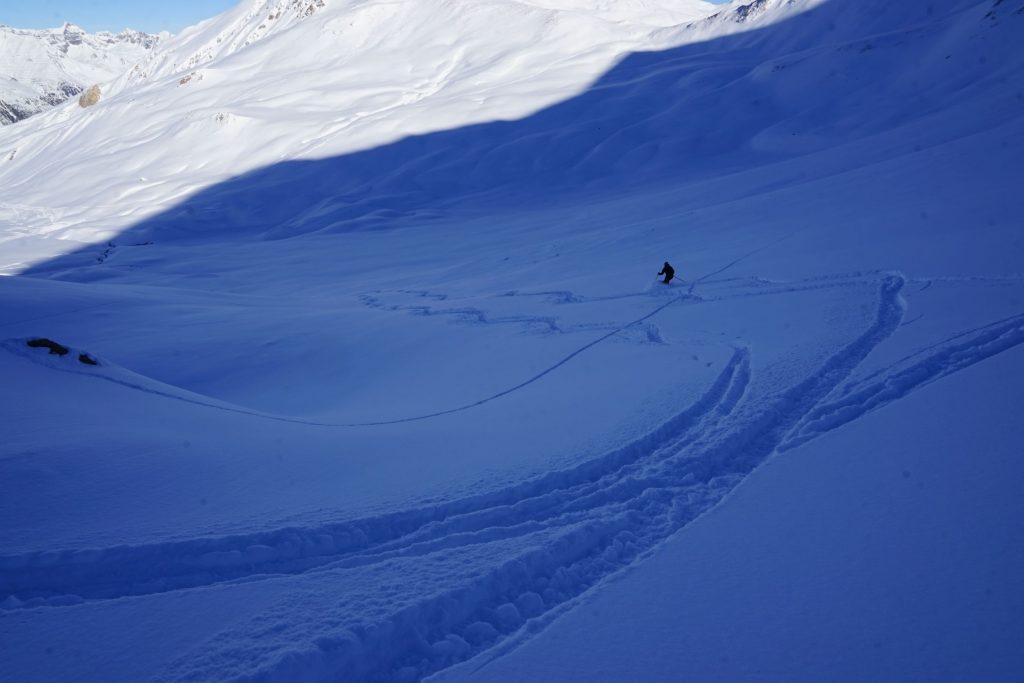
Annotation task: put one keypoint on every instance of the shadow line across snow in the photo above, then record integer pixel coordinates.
(652, 120)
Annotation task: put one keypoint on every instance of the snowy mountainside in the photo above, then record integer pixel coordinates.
(41, 69)
(350, 363)
(396, 70)
(276, 80)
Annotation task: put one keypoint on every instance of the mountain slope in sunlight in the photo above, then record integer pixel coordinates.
(270, 81)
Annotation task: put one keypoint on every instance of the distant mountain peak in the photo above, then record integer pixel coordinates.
(43, 68)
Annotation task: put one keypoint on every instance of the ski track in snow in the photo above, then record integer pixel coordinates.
(899, 379)
(599, 517)
(650, 333)
(614, 132)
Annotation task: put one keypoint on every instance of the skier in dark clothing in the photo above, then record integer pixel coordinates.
(668, 271)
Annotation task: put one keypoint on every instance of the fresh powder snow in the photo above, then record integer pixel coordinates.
(332, 348)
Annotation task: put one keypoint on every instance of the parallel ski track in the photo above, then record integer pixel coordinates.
(601, 516)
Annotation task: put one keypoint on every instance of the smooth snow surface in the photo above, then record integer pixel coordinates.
(386, 389)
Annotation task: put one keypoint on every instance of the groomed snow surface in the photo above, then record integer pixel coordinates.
(385, 388)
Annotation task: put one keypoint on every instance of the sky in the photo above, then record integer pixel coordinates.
(151, 16)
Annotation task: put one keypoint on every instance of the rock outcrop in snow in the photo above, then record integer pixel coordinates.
(90, 97)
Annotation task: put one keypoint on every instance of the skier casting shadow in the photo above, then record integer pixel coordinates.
(668, 271)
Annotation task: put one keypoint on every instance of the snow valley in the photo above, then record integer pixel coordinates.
(333, 350)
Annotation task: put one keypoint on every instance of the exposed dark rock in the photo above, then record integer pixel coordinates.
(10, 112)
(44, 343)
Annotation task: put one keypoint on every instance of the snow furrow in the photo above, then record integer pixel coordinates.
(120, 571)
(573, 529)
(697, 445)
(604, 515)
(647, 509)
(952, 357)
(563, 533)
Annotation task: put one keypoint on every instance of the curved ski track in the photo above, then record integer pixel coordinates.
(650, 335)
(599, 517)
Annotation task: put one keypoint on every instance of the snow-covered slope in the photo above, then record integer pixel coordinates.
(281, 79)
(41, 69)
(367, 376)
